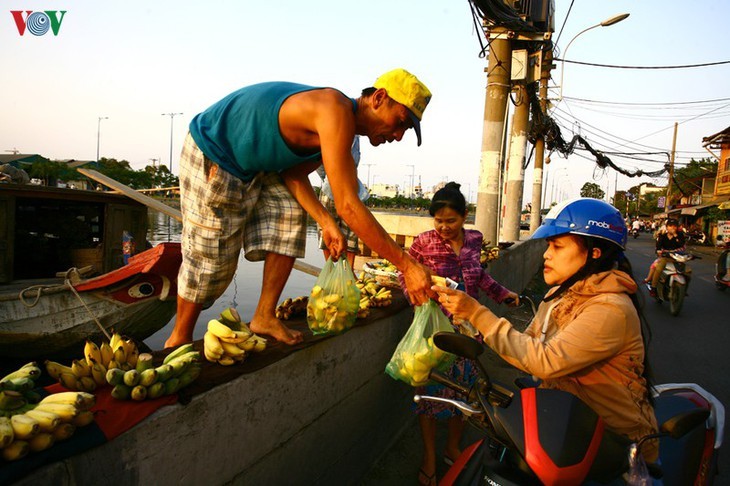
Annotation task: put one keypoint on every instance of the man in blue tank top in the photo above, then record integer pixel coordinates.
(244, 182)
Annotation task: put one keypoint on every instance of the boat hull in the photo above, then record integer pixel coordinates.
(136, 301)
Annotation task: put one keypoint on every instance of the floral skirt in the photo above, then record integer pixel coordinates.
(462, 371)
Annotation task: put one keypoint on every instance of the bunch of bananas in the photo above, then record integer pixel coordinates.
(228, 339)
(488, 253)
(26, 426)
(90, 372)
(21, 383)
(384, 272)
(147, 382)
(332, 313)
(372, 294)
(413, 367)
(292, 308)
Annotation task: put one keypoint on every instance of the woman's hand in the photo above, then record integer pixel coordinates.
(460, 304)
(512, 299)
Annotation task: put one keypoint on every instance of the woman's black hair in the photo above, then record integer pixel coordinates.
(612, 257)
(450, 197)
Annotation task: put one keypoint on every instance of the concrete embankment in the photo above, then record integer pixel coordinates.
(321, 415)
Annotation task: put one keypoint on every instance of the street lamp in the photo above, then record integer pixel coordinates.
(368, 165)
(413, 178)
(172, 117)
(98, 135)
(606, 23)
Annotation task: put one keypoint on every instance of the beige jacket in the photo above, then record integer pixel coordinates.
(592, 348)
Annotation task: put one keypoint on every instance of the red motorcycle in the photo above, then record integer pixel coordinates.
(540, 436)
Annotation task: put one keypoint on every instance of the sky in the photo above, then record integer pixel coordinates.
(134, 61)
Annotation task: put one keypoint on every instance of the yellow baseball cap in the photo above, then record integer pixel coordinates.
(407, 90)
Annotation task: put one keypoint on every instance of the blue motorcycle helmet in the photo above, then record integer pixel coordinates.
(587, 217)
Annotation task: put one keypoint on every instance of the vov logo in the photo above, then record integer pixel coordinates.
(38, 23)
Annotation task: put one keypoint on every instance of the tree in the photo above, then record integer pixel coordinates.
(591, 189)
(688, 180)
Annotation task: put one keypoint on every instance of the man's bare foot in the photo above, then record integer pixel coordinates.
(275, 328)
(174, 341)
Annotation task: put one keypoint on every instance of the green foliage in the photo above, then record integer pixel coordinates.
(715, 214)
(688, 180)
(591, 189)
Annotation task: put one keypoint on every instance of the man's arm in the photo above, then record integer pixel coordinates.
(296, 180)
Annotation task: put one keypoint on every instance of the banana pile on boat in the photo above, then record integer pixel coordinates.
(228, 339)
(372, 294)
(414, 367)
(88, 373)
(147, 382)
(488, 253)
(332, 313)
(29, 423)
(292, 308)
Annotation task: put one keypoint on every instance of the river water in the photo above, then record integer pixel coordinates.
(244, 291)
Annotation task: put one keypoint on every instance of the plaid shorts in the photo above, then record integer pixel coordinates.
(349, 235)
(221, 214)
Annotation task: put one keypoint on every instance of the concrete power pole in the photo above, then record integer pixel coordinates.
(495, 104)
(671, 166)
(516, 164)
(535, 215)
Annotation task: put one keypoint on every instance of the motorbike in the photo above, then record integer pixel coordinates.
(674, 280)
(721, 268)
(635, 232)
(540, 436)
(696, 236)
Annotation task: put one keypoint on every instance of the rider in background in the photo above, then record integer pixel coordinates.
(671, 240)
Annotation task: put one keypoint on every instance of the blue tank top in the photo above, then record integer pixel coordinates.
(241, 132)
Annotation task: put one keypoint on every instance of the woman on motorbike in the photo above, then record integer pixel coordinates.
(671, 240)
(589, 336)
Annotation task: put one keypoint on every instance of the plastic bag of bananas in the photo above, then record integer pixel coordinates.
(335, 299)
(416, 355)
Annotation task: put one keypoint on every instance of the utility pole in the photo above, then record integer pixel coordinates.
(537, 174)
(495, 104)
(172, 117)
(516, 164)
(671, 167)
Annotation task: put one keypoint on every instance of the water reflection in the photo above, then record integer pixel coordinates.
(244, 291)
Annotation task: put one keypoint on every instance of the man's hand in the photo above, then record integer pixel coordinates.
(418, 281)
(334, 240)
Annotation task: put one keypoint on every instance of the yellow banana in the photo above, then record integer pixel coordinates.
(107, 353)
(17, 450)
(92, 351)
(98, 373)
(6, 432)
(65, 411)
(120, 356)
(210, 356)
(55, 369)
(114, 365)
(72, 398)
(24, 427)
(64, 431)
(41, 442)
(87, 384)
(115, 341)
(212, 344)
(80, 368)
(139, 393)
(220, 330)
(83, 418)
(249, 344)
(47, 421)
(259, 343)
(69, 381)
(231, 350)
(131, 352)
(226, 361)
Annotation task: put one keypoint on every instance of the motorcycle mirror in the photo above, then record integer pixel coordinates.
(682, 423)
(458, 344)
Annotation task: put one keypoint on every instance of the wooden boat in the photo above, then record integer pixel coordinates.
(46, 231)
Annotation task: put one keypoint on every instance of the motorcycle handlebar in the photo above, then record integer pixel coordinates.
(442, 379)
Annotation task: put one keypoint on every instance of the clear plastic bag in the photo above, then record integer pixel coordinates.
(416, 355)
(638, 474)
(334, 300)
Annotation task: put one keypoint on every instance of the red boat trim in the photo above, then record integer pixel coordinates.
(164, 260)
(539, 461)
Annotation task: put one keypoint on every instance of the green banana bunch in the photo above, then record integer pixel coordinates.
(147, 382)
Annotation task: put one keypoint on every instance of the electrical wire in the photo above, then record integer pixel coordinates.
(616, 66)
(643, 104)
